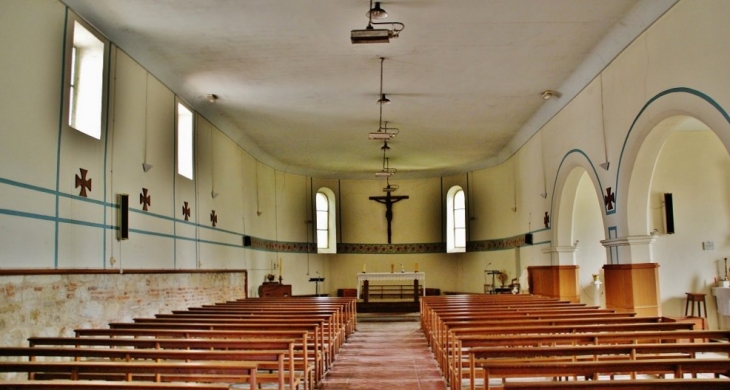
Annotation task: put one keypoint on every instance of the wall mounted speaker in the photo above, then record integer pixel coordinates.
(123, 216)
(528, 239)
(246, 240)
(669, 213)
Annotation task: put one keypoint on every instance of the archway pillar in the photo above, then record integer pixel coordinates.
(559, 280)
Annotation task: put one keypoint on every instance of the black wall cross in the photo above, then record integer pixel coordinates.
(388, 201)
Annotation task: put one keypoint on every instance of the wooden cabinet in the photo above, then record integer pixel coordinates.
(554, 281)
(274, 289)
(633, 288)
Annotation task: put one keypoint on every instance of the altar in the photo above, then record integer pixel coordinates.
(722, 295)
(364, 279)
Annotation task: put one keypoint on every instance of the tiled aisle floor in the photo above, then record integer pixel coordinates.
(385, 355)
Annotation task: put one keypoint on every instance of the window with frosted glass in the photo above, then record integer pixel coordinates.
(85, 86)
(459, 220)
(184, 141)
(322, 206)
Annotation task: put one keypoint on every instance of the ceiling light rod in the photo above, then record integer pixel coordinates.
(383, 99)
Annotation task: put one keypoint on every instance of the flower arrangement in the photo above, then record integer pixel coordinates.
(503, 277)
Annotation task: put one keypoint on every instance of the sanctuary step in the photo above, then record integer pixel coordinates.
(388, 307)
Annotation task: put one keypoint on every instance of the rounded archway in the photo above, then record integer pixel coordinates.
(683, 157)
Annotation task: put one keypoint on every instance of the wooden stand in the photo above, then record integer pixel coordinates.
(554, 281)
(274, 289)
(632, 288)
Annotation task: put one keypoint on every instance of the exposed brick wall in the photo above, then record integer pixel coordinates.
(54, 305)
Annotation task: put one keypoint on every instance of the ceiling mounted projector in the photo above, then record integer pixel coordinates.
(371, 35)
(380, 135)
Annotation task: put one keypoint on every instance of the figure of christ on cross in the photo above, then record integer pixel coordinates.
(388, 201)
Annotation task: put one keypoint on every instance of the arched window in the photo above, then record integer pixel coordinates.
(326, 222)
(455, 220)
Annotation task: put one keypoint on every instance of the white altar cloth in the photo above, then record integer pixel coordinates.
(722, 295)
(375, 276)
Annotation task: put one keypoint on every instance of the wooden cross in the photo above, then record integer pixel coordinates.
(213, 218)
(388, 201)
(83, 182)
(145, 199)
(609, 199)
(186, 211)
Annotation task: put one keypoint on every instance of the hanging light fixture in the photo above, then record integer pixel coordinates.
(371, 34)
(382, 132)
(376, 12)
(385, 145)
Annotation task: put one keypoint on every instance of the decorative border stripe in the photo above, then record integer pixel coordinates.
(496, 244)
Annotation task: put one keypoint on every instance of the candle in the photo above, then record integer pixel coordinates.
(392, 268)
(280, 266)
(363, 268)
(416, 267)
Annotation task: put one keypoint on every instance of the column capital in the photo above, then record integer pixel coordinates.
(629, 241)
(630, 249)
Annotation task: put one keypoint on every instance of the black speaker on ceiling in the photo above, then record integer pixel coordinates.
(669, 212)
(123, 216)
(246, 240)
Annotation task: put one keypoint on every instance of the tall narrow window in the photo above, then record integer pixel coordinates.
(85, 81)
(322, 221)
(459, 220)
(184, 141)
(456, 220)
(326, 221)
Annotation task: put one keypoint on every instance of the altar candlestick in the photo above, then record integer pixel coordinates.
(363, 268)
(280, 267)
(416, 267)
(392, 268)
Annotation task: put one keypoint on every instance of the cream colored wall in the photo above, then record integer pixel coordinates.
(685, 48)
(695, 167)
(590, 255)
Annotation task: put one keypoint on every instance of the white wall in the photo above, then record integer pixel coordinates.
(46, 224)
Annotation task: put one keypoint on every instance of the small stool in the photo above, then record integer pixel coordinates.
(699, 298)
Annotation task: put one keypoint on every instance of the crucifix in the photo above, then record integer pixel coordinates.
(388, 201)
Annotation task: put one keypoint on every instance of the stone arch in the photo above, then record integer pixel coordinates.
(573, 166)
(642, 145)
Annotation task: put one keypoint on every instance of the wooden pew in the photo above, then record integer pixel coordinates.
(676, 367)
(321, 353)
(279, 360)
(644, 384)
(61, 384)
(296, 341)
(452, 354)
(481, 355)
(333, 333)
(207, 371)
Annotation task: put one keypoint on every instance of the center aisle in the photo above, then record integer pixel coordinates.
(385, 355)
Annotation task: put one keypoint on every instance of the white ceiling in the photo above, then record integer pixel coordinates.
(465, 77)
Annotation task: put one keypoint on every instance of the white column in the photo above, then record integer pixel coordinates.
(629, 250)
(561, 255)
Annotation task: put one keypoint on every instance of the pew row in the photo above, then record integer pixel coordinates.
(207, 371)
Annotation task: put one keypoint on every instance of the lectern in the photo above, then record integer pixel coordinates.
(316, 284)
